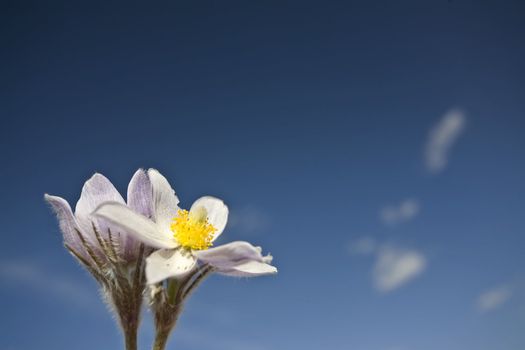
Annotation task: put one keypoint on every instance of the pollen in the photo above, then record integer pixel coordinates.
(192, 231)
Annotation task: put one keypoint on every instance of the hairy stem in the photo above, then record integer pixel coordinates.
(161, 339)
(128, 300)
(130, 336)
(168, 304)
(130, 321)
(165, 320)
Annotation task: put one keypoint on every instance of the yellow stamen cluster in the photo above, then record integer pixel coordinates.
(192, 231)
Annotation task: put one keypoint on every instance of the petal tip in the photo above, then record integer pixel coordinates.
(153, 171)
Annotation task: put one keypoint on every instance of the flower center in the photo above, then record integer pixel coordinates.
(192, 230)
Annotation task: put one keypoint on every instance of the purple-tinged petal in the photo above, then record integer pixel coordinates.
(67, 223)
(249, 269)
(140, 200)
(239, 259)
(135, 224)
(97, 190)
(140, 194)
(230, 254)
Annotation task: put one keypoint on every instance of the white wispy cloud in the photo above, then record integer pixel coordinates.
(493, 298)
(404, 211)
(362, 246)
(248, 220)
(442, 138)
(395, 267)
(28, 274)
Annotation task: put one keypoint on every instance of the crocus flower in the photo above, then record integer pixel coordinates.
(184, 237)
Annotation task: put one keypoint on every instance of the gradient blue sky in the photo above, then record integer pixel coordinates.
(313, 120)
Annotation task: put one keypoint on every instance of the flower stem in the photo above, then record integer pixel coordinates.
(130, 336)
(161, 339)
(165, 320)
(168, 305)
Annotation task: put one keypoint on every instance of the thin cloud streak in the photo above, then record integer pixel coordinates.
(441, 139)
(493, 298)
(395, 267)
(30, 274)
(404, 211)
(362, 246)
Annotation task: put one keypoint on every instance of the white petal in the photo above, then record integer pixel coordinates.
(250, 269)
(228, 255)
(165, 202)
(166, 263)
(135, 224)
(97, 190)
(267, 259)
(216, 211)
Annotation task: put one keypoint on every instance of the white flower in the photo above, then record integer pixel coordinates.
(183, 237)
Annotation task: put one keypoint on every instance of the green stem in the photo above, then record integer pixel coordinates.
(173, 288)
(161, 339)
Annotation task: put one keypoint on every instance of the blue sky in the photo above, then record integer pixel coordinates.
(375, 149)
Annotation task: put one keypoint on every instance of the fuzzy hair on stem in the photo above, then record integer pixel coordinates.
(122, 283)
(167, 301)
